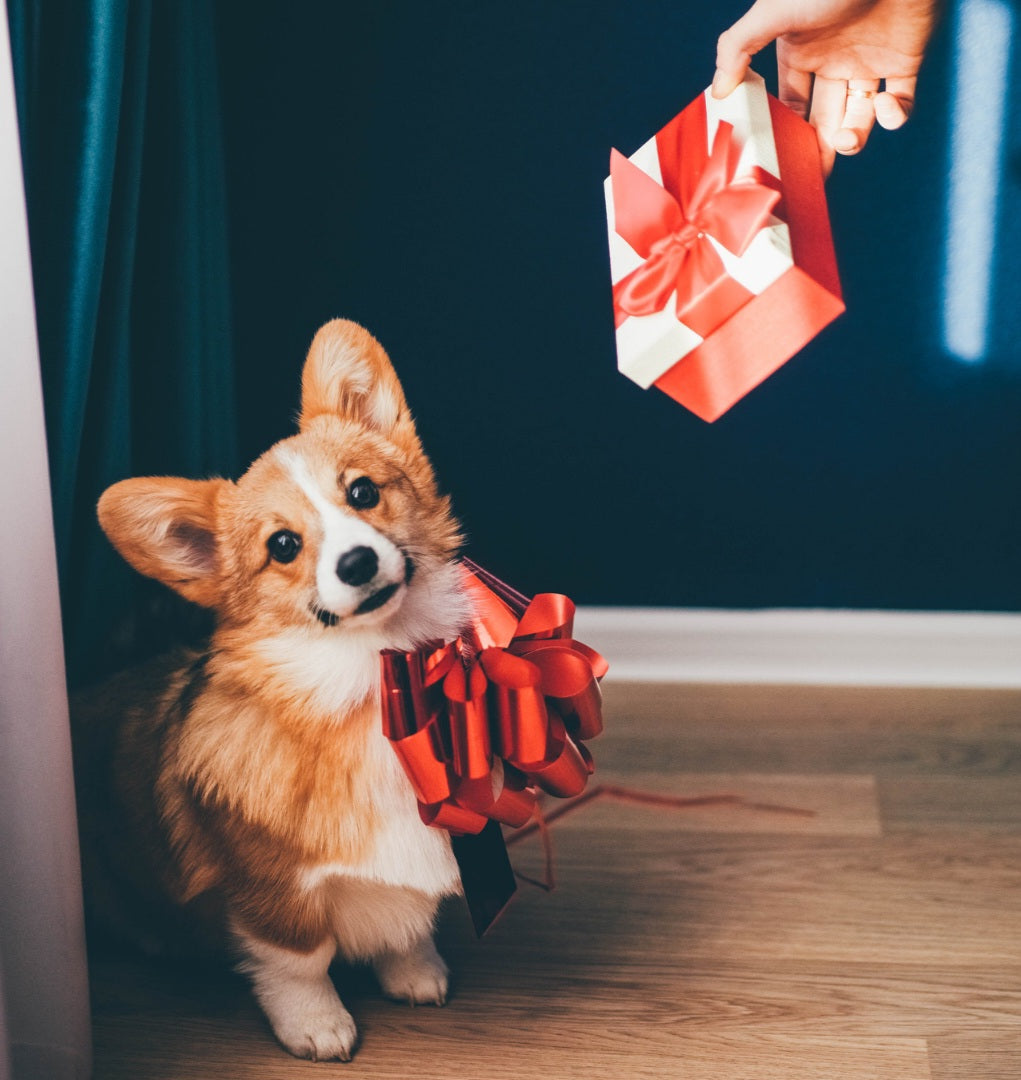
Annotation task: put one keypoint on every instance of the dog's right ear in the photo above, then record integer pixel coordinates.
(348, 374)
(165, 528)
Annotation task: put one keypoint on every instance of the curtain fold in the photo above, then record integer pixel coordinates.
(119, 115)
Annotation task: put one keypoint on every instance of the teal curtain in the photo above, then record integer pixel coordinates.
(120, 126)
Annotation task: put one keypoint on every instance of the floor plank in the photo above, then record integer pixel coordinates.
(394, 1047)
(797, 899)
(964, 1057)
(804, 729)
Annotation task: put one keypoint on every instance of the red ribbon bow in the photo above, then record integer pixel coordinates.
(477, 737)
(670, 226)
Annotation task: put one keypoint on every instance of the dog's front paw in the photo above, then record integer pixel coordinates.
(418, 977)
(323, 1033)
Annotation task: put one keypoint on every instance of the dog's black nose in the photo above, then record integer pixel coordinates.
(357, 566)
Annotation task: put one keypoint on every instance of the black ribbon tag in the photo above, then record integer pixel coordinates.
(486, 874)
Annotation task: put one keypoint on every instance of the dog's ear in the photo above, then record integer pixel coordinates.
(165, 528)
(348, 374)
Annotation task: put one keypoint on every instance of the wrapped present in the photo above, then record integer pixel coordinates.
(720, 249)
(483, 724)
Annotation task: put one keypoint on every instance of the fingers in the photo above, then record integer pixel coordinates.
(844, 114)
(894, 105)
(735, 47)
(729, 76)
(827, 116)
(795, 86)
(859, 116)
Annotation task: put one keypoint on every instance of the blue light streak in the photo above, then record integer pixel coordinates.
(984, 30)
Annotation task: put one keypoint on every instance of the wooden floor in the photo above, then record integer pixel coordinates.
(857, 916)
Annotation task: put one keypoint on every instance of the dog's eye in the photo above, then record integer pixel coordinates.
(362, 494)
(283, 546)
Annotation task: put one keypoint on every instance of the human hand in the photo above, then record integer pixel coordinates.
(831, 57)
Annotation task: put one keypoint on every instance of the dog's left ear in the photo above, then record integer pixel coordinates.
(166, 527)
(348, 374)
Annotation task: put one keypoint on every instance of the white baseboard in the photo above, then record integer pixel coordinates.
(840, 648)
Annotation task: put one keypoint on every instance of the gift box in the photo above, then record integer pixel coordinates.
(484, 724)
(721, 255)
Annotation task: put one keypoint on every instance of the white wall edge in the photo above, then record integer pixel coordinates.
(42, 931)
(808, 647)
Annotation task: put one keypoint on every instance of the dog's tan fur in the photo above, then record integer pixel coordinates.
(252, 781)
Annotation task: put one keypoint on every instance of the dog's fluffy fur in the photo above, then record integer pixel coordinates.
(252, 781)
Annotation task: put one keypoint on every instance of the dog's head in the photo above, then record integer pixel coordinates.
(339, 528)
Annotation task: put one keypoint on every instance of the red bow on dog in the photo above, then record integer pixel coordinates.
(481, 723)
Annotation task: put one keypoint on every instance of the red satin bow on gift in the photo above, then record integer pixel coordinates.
(670, 229)
(478, 737)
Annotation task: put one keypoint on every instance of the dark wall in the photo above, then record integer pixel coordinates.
(435, 172)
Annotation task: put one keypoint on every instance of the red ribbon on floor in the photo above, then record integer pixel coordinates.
(669, 227)
(482, 724)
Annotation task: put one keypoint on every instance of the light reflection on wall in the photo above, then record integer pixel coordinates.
(983, 33)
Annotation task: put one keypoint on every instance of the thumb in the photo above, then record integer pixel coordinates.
(759, 25)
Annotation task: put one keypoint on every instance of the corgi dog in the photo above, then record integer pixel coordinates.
(252, 780)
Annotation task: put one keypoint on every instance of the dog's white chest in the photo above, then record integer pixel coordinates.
(404, 851)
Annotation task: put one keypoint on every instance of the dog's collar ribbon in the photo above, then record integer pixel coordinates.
(483, 724)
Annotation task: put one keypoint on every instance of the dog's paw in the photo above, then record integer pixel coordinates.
(418, 977)
(325, 1033)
